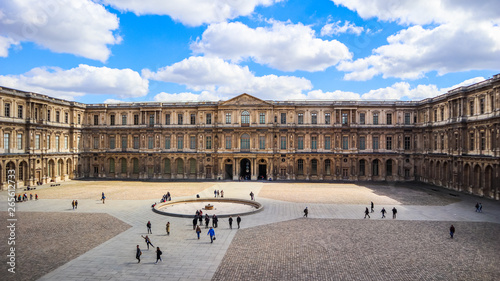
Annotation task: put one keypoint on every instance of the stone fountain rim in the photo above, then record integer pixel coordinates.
(255, 204)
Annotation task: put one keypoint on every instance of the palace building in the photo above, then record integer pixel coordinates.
(452, 140)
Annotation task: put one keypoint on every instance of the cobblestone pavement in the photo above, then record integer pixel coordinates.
(326, 249)
(424, 215)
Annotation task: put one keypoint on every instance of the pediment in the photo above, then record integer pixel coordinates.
(245, 99)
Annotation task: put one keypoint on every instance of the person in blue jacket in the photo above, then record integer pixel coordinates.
(211, 232)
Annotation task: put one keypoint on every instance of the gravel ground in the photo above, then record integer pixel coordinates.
(328, 249)
(45, 241)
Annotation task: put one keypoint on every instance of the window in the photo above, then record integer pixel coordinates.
(314, 142)
(435, 115)
(180, 142)
(228, 142)
(314, 118)
(66, 117)
(167, 142)
(407, 143)
(442, 114)
(136, 143)
(262, 118)
(136, 119)
(471, 108)
(151, 119)
(483, 141)
(327, 143)
(19, 111)
(375, 168)
(283, 143)
(111, 165)
(314, 167)
(192, 142)
(388, 168)
(135, 163)
(65, 142)
(48, 115)
(7, 110)
(180, 166)
(345, 119)
(209, 143)
(328, 166)
(209, 118)
(407, 118)
(192, 119)
(228, 118)
(481, 106)
(375, 118)
(389, 119)
(192, 166)
(442, 142)
(283, 118)
(375, 144)
(37, 141)
(300, 143)
(57, 116)
(245, 141)
(345, 142)
(112, 142)
(112, 120)
(79, 119)
(362, 143)
(471, 141)
(124, 142)
(77, 142)
(262, 142)
(327, 118)
(96, 142)
(435, 142)
(362, 165)
(36, 113)
(124, 165)
(300, 119)
(245, 118)
(151, 142)
(96, 119)
(124, 119)
(275, 119)
(388, 143)
(300, 167)
(58, 147)
(19, 141)
(166, 166)
(167, 119)
(362, 118)
(179, 119)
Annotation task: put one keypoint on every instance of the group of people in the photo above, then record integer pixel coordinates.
(166, 197)
(479, 207)
(218, 193)
(383, 211)
(74, 204)
(24, 197)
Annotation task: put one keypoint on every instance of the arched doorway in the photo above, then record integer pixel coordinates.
(466, 175)
(228, 170)
(476, 188)
(444, 174)
(245, 169)
(262, 170)
(488, 181)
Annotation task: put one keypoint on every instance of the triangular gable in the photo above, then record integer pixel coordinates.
(245, 99)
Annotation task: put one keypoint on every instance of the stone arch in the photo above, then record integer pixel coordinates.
(300, 167)
(51, 170)
(179, 166)
(488, 181)
(22, 174)
(60, 169)
(192, 166)
(477, 183)
(389, 167)
(328, 165)
(245, 118)
(167, 166)
(111, 165)
(314, 167)
(123, 165)
(135, 166)
(362, 167)
(376, 168)
(69, 168)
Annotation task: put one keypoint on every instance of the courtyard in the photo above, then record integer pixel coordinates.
(98, 241)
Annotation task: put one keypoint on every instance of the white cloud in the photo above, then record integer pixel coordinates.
(78, 81)
(186, 96)
(225, 79)
(5, 43)
(335, 95)
(191, 12)
(335, 28)
(283, 45)
(464, 83)
(79, 27)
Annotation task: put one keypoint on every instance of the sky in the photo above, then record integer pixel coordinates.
(110, 51)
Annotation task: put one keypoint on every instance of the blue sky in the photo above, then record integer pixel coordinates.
(130, 50)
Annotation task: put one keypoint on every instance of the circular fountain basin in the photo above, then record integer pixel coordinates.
(221, 207)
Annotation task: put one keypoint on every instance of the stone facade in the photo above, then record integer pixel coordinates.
(452, 140)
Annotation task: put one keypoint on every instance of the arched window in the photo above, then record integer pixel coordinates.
(111, 165)
(388, 167)
(245, 118)
(328, 166)
(124, 165)
(375, 171)
(245, 142)
(167, 166)
(135, 162)
(180, 166)
(300, 167)
(314, 167)
(362, 165)
(192, 166)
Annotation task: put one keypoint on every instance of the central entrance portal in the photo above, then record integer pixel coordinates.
(229, 172)
(245, 169)
(262, 172)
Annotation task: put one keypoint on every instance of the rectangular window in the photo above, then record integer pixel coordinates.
(483, 141)
(345, 142)
(375, 143)
(362, 143)
(66, 117)
(151, 142)
(327, 118)
(124, 165)
(262, 142)
(192, 142)
(112, 142)
(481, 106)
(124, 119)
(442, 114)
(362, 118)
(435, 142)
(19, 141)
(36, 113)
(283, 118)
(151, 119)
(48, 141)
(209, 143)
(48, 115)
(362, 167)
(6, 142)
(314, 118)
(314, 142)
(112, 165)
(7, 110)
(228, 118)
(124, 142)
(262, 118)
(300, 119)
(345, 119)
(209, 118)
(388, 143)
(79, 119)
(112, 120)
(389, 119)
(65, 142)
(471, 108)
(327, 143)
(375, 118)
(300, 143)
(180, 142)
(300, 167)
(442, 142)
(37, 141)
(57, 116)
(96, 119)
(19, 111)
(167, 142)
(435, 115)
(167, 119)
(136, 143)
(58, 147)
(228, 142)
(407, 143)
(193, 119)
(471, 141)
(179, 119)
(283, 143)
(407, 118)
(136, 119)
(96, 142)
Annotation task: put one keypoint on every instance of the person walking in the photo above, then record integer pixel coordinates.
(477, 207)
(215, 193)
(198, 231)
(480, 207)
(394, 212)
(168, 228)
(251, 195)
(103, 198)
(200, 218)
(383, 212)
(148, 225)
(372, 207)
(230, 222)
(367, 213)
(306, 212)
(195, 221)
(207, 220)
(158, 255)
(148, 241)
(222, 193)
(73, 204)
(215, 221)
(138, 254)
(76, 204)
(452, 231)
(211, 232)
(238, 221)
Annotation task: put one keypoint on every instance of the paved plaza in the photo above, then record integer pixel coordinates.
(98, 241)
